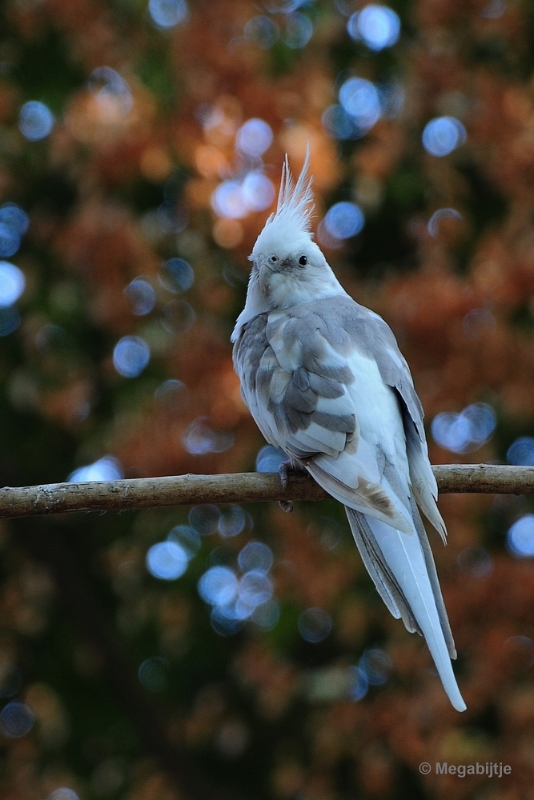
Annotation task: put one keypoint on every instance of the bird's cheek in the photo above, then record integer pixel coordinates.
(264, 280)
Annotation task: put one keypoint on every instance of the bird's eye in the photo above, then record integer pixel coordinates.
(303, 261)
(273, 259)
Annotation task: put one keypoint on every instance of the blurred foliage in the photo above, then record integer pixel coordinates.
(116, 683)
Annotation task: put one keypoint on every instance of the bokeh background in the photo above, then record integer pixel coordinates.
(235, 651)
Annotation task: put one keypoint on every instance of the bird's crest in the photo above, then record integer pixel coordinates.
(296, 201)
(295, 207)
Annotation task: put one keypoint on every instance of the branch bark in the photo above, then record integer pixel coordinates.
(60, 498)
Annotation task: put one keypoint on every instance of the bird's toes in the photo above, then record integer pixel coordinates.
(286, 505)
(283, 471)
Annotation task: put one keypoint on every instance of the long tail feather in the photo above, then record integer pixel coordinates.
(404, 574)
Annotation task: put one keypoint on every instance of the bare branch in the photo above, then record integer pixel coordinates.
(60, 498)
(484, 479)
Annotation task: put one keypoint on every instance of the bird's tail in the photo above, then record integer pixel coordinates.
(402, 568)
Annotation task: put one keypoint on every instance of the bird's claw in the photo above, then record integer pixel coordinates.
(286, 505)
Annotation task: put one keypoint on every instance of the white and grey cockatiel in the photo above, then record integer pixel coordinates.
(325, 381)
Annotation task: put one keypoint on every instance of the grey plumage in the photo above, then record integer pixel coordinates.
(325, 381)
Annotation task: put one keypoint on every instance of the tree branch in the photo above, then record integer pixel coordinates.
(60, 498)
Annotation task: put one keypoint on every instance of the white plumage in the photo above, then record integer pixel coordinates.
(324, 379)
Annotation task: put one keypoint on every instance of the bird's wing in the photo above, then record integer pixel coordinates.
(377, 340)
(366, 339)
(325, 380)
(316, 395)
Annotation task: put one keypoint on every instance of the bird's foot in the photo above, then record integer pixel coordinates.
(283, 470)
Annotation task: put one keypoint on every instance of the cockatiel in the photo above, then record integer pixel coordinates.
(325, 381)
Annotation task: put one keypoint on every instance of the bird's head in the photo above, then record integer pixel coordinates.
(287, 265)
(290, 267)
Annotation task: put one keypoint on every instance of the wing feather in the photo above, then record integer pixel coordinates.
(299, 368)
